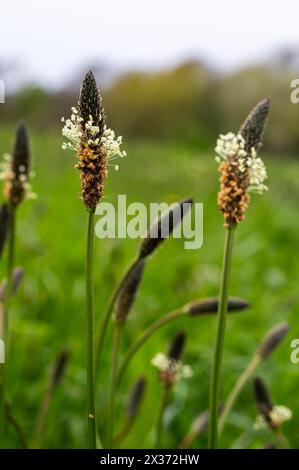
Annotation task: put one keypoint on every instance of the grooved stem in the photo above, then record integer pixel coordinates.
(91, 416)
(5, 313)
(112, 383)
(218, 353)
(236, 390)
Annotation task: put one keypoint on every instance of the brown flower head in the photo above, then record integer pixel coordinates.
(242, 171)
(128, 291)
(94, 144)
(4, 222)
(135, 398)
(16, 168)
(59, 367)
(163, 227)
(210, 306)
(270, 415)
(171, 369)
(272, 339)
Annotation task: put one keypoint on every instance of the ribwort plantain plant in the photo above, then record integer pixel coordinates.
(56, 375)
(192, 309)
(95, 146)
(151, 242)
(171, 371)
(271, 416)
(242, 172)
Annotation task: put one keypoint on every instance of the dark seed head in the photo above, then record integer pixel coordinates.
(15, 182)
(59, 367)
(262, 398)
(164, 226)
(90, 102)
(252, 129)
(135, 398)
(272, 339)
(21, 152)
(128, 292)
(210, 305)
(4, 221)
(176, 347)
(17, 276)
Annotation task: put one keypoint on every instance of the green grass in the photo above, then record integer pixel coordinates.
(48, 314)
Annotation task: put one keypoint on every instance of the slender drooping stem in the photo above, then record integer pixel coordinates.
(123, 432)
(17, 427)
(112, 383)
(107, 316)
(41, 417)
(10, 266)
(5, 326)
(159, 429)
(235, 392)
(282, 439)
(91, 416)
(221, 321)
(144, 336)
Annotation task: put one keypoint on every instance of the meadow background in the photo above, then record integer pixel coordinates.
(170, 119)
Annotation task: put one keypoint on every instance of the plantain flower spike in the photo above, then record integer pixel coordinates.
(15, 169)
(170, 367)
(271, 416)
(242, 170)
(95, 144)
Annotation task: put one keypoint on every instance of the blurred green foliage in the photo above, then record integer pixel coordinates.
(48, 315)
(191, 103)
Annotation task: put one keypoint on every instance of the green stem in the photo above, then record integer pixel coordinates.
(159, 429)
(112, 384)
(5, 326)
(144, 336)
(107, 316)
(235, 392)
(222, 310)
(124, 431)
(41, 417)
(91, 416)
(17, 427)
(284, 443)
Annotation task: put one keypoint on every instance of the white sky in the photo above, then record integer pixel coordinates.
(52, 38)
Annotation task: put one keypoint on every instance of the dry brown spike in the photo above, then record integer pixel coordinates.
(127, 294)
(164, 226)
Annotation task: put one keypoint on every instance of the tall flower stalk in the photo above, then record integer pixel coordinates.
(15, 171)
(4, 216)
(95, 146)
(242, 172)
